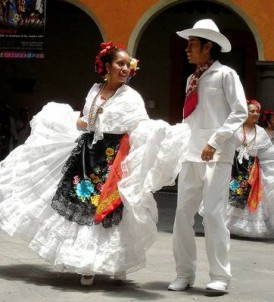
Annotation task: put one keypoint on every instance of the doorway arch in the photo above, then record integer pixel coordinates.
(164, 68)
(90, 14)
(156, 9)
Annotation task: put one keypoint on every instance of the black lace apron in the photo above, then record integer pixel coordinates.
(85, 173)
(239, 187)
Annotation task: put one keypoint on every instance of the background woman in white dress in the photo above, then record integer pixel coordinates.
(246, 214)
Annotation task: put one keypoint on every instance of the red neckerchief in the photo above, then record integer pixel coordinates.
(191, 99)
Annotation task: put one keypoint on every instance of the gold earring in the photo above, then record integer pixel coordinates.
(107, 77)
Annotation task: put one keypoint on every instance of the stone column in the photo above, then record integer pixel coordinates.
(266, 84)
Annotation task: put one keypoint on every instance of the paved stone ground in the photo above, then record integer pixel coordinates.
(26, 277)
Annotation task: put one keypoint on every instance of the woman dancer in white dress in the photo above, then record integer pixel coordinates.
(250, 192)
(82, 197)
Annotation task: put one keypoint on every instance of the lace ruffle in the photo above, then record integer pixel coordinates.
(30, 175)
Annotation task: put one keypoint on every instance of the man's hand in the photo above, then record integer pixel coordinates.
(208, 152)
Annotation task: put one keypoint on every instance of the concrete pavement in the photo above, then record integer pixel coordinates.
(26, 277)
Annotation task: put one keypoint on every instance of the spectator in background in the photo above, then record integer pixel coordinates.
(267, 122)
(5, 134)
(13, 132)
(22, 125)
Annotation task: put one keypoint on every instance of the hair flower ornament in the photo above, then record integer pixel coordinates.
(133, 67)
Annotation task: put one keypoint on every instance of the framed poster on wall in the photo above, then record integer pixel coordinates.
(22, 29)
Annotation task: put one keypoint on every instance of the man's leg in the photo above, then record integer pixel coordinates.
(217, 236)
(184, 246)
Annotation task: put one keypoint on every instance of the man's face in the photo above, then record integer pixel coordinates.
(196, 52)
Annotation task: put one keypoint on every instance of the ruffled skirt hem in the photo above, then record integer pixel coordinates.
(29, 177)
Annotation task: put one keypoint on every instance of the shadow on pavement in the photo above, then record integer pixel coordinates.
(68, 282)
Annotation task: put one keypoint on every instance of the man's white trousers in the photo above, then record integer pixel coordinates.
(207, 182)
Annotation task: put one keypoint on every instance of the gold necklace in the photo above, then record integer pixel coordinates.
(95, 109)
(246, 144)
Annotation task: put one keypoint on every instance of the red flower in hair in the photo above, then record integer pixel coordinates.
(254, 102)
(104, 45)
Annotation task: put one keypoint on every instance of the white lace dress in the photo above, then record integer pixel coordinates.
(243, 222)
(30, 174)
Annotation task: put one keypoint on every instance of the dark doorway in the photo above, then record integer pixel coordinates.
(242, 58)
(66, 73)
(164, 68)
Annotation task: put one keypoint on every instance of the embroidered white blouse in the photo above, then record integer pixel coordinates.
(121, 113)
(257, 141)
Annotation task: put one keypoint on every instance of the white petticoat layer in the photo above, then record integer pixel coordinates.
(267, 165)
(244, 223)
(28, 181)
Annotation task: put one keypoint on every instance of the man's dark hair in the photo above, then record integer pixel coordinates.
(215, 51)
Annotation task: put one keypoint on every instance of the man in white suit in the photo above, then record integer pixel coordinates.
(215, 107)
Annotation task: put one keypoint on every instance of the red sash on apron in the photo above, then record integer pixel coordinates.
(255, 194)
(110, 198)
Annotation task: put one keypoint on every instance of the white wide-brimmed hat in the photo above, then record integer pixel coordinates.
(207, 29)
